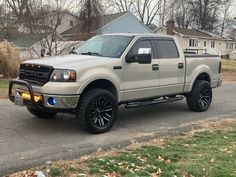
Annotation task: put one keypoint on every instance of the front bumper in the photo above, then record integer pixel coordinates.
(61, 102)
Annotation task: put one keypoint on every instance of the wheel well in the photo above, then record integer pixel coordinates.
(103, 84)
(205, 77)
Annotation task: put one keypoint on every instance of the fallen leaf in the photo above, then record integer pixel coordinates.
(160, 158)
(113, 174)
(157, 174)
(143, 159)
(212, 160)
(168, 161)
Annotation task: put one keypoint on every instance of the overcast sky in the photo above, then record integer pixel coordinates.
(234, 8)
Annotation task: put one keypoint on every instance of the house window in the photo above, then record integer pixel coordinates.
(212, 44)
(193, 42)
(71, 22)
(205, 43)
(231, 46)
(59, 21)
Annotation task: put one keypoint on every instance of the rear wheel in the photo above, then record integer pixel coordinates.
(199, 99)
(41, 114)
(97, 111)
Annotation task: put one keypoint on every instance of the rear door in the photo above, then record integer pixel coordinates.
(141, 80)
(171, 66)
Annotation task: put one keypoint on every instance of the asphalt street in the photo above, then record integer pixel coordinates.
(26, 141)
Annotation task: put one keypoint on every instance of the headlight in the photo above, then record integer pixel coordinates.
(61, 75)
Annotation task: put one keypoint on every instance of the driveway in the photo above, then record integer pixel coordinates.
(26, 141)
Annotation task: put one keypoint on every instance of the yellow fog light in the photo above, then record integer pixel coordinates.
(27, 96)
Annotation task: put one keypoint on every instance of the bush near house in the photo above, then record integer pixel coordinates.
(9, 60)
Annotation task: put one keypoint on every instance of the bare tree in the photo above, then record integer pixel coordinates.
(51, 15)
(204, 13)
(181, 15)
(90, 9)
(231, 32)
(7, 22)
(121, 5)
(146, 10)
(226, 20)
(25, 11)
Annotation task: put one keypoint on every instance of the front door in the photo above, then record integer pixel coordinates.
(141, 80)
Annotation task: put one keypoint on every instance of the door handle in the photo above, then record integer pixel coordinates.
(155, 67)
(180, 65)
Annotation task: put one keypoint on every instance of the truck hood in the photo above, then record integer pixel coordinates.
(70, 61)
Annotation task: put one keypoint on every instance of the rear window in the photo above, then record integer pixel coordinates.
(167, 49)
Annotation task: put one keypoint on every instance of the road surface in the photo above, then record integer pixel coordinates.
(26, 141)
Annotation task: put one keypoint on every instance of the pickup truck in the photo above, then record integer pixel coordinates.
(112, 70)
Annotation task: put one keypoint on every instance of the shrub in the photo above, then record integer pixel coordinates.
(9, 60)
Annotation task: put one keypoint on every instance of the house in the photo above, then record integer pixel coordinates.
(71, 31)
(124, 22)
(30, 45)
(65, 20)
(24, 43)
(199, 41)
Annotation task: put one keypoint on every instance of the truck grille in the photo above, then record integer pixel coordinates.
(35, 74)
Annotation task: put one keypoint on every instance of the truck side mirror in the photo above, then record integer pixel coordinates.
(139, 58)
(72, 51)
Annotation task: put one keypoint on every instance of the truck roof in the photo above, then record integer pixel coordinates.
(140, 35)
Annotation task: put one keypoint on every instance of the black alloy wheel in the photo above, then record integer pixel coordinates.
(200, 98)
(102, 112)
(97, 110)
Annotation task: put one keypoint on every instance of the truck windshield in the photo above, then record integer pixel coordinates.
(105, 46)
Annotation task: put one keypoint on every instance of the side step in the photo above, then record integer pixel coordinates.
(152, 102)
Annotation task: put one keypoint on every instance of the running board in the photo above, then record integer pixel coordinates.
(152, 102)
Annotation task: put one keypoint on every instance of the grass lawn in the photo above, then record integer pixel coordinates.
(229, 70)
(210, 153)
(3, 88)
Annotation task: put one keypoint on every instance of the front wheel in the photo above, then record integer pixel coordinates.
(199, 99)
(41, 114)
(97, 111)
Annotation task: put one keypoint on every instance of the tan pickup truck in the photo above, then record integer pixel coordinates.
(111, 70)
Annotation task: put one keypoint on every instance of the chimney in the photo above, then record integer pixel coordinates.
(170, 27)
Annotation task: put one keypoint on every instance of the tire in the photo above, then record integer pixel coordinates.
(97, 111)
(200, 98)
(41, 114)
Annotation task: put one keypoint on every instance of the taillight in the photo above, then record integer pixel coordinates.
(220, 67)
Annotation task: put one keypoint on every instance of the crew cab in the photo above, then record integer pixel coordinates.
(111, 70)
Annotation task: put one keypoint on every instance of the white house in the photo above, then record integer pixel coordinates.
(65, 20)
(199, 41)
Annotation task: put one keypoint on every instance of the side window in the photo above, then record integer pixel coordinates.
(141, 47)
(167, 49)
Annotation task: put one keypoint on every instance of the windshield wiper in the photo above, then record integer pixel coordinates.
(91, 53)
